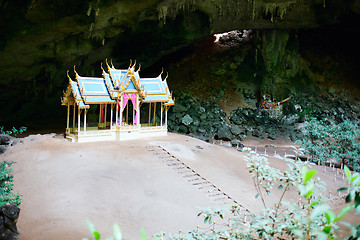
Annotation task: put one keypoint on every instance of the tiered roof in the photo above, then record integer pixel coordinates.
(113, 84)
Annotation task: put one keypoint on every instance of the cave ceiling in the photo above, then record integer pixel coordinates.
(41, 39)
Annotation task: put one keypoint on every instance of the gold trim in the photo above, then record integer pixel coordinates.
(67, 73)
(162, 70)
(134, 65)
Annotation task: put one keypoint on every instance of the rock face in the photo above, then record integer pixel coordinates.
(4, 141)
(8, 217)
(211, 122)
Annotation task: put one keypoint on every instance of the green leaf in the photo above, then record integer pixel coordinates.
(96, 235)
(347, 173)
(309, 175)
(357, 199)
(257, 195)
(354, 178)
(330, 216)
(350, 197)
(143, 234)
(357, 210)
(343, 189)
(327, 229)
(343, 211)
(312, 204)
(319, 210)
(117, 232)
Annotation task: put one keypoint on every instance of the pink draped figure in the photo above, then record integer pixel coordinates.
(126, 97)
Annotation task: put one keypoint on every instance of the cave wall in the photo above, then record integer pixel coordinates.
(41, 39)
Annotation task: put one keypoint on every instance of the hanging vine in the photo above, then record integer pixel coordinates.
(173, 7)
(278, 9)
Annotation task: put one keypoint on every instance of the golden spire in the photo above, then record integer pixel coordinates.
(67, 73)
(162, 70)
(107, 64)
(134, 65)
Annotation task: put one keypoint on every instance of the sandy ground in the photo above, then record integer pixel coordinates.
(136, 184)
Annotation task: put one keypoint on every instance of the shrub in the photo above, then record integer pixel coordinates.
(6, 185)
(13, 131)
(324, 141)
(309, 218)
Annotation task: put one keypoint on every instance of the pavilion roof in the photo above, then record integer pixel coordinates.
(93, 90)
(114, 82)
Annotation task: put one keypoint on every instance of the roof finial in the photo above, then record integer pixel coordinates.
(112, 65)
(134, 65)
(162, 70)
(75, 70)
(67, 73)
(107, 64)
(139, 68)
(102, 67)
(167, 74)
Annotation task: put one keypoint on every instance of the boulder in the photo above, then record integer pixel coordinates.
(187, 120)
(236, 130)
(9, 215)
(224, 133)
(2, 149)
(4, 139)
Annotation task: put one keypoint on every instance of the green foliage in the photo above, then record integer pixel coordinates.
(13, 131)
(117, 233)
(326, 140)
(310, 218)
(353, 197)
(210, 214)
(6, 185)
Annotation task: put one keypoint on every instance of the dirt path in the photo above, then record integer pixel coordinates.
(156, 184)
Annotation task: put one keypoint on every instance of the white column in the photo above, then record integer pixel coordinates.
(85, 112)
(149, 113)
(74, 117)
(111, 115)
(105, 114)
(161, 113)
(166, 110)
(79, 113)
(68, 115)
